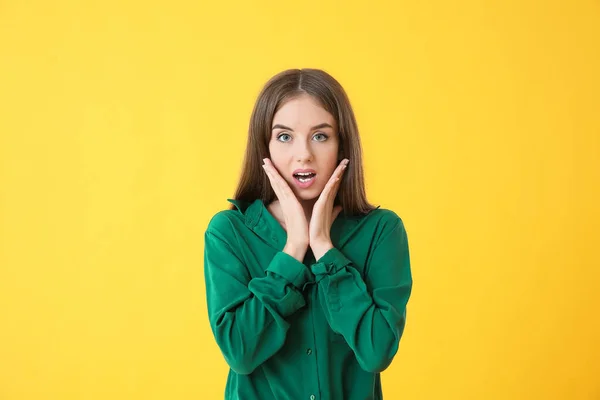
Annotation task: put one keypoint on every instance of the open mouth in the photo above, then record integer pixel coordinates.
(304, 177)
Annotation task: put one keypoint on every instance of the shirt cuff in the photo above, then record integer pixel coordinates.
(331, 262)
(290, 269)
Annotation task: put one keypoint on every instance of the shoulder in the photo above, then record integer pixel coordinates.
(384, 218)
(225, 222)
(383, 222)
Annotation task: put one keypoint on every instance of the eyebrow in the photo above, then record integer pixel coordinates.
(323, 125)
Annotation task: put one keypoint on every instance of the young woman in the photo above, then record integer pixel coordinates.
(307, 283)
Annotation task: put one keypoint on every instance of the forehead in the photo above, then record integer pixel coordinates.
(302, 111)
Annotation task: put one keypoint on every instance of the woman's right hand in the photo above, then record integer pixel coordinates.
(296, 224)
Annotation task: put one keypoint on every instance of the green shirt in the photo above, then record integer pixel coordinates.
(321, 329)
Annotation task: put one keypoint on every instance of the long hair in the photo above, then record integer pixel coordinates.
(281, 88)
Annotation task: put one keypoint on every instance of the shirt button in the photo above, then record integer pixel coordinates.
(309, 352)
(312, 397)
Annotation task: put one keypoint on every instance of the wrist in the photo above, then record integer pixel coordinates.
(298, 251)
(320, 248)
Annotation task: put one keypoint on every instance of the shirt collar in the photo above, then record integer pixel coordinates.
(260, 221)
(263, 223)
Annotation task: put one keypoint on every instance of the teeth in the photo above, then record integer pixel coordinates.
(305, 179)
(304, 173)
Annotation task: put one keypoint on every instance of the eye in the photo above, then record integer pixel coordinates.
(282, 135)
(325, 137)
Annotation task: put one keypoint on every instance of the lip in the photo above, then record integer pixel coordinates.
(304, 170)
(304, 185)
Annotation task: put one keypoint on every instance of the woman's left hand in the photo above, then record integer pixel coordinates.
(324, 213)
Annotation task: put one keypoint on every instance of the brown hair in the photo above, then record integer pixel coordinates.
(281, 88)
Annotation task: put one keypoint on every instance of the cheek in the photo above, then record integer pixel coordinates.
(280, 166)
(328, 158)
(276, 156)
(331, 166)
(325, 175)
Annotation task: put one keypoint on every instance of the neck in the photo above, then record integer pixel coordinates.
(275, 208)
(308, 205)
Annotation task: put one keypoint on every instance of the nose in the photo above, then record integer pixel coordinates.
(303, 152)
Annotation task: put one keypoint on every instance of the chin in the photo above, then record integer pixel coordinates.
(311, 193)
(306, 194)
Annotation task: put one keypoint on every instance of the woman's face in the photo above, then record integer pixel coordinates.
(304, 137)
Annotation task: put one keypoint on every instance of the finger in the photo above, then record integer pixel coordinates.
(336, 211)
(333, 191)
(275, 184)
(281, 183)
(336, 178)
(280, 186)
(329, 187)
(272, 180)
(339, 171)
(273, 173)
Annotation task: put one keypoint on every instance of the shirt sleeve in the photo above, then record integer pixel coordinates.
(369, 313)
(247, 315)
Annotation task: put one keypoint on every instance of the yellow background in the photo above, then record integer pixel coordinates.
(123, 126)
